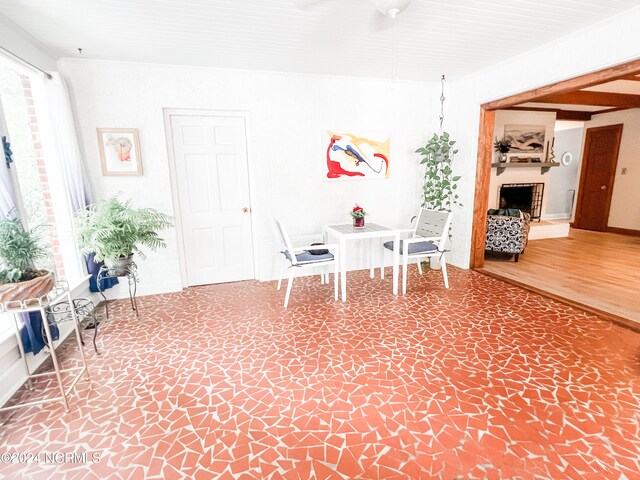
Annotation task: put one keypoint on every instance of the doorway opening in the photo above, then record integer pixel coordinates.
(597, 103)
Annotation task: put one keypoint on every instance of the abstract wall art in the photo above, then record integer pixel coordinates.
(525, 138)
(350, 156)
(120, 151)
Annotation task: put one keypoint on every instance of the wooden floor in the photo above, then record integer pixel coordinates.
(600, 271)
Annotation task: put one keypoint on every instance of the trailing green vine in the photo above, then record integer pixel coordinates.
(439, 185)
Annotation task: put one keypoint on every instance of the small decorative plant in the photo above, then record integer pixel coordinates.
(502, 146)
(19, 249)
(439, 185)
(114, 230)
(358, 212)
(358, 215)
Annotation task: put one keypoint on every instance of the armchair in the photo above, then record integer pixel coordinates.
(508, 234)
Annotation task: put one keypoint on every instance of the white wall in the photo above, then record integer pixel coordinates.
(608, 43)
(287, 115)
(18, 42)
(562, 186)
(520, 175)
(625, 207)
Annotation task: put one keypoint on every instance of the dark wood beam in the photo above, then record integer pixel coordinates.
(633, 77)
(605, 99)
(583, 81)
(607, 110)
(576, 115)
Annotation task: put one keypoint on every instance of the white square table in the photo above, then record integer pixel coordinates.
(343, 233)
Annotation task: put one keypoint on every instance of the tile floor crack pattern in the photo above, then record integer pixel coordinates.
(484, 380)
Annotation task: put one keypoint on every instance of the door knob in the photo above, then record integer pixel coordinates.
(603, 187)
(245, 210)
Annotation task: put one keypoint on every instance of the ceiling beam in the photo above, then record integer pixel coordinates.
(583, 81)
(575, 115)
(633, 77)
(604, 99)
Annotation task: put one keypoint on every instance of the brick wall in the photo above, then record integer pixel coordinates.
(44, 179)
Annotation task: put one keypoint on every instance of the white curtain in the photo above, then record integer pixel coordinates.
(7, 193)
(59, 106)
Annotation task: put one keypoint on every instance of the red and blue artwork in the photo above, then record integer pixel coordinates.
(351, 156)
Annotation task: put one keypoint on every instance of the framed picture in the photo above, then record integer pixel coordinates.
(355, 156)
(525, 138)
(120, 151)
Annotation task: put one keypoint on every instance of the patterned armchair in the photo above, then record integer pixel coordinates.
(508, 234)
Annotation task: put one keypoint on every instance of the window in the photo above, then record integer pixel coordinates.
(37, 177)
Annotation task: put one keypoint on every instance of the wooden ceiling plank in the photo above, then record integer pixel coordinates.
(603, 99)
(634, 77)
(576, 115)
(576, 83)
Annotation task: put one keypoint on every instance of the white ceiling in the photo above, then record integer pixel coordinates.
(338, 37)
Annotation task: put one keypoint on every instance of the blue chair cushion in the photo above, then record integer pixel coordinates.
(418, 247)
(307, 257)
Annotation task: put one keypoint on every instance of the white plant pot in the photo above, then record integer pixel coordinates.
(434, 263)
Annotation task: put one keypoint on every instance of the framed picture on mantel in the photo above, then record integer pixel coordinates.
(120, 151)
(526, 140)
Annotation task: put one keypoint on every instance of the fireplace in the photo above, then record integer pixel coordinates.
(523, 196)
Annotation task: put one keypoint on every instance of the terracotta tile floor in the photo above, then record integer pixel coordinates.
(484, 380)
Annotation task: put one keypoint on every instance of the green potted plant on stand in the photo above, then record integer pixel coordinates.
(19, 249)
(114, 231)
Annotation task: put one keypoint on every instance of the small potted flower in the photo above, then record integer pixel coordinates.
(358, 216)
(503, 146)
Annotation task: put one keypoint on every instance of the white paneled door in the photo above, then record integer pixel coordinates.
(212, 180)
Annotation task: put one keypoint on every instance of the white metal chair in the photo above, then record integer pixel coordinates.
(427, 239)
(299, 258)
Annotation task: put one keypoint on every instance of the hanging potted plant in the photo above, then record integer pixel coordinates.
(358, 215)
(114, 231)
(19, 249)
(439, 184)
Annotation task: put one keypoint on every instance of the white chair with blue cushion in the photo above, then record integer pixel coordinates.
(427, 239)
(299, 258)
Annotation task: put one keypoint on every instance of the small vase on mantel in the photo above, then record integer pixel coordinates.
(503, 158)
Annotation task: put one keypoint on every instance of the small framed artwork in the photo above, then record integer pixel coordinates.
(120, 151)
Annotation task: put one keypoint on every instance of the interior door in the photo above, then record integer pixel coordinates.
(212, 178)
(598, 173)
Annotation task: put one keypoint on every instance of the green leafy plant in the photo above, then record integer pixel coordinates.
(439, 185)
(9, 275)
(19, 249)
(113, 229)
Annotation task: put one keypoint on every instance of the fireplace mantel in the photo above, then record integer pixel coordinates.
(543, 166)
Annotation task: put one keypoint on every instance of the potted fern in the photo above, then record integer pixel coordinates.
(19, 249)
(115, 230)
